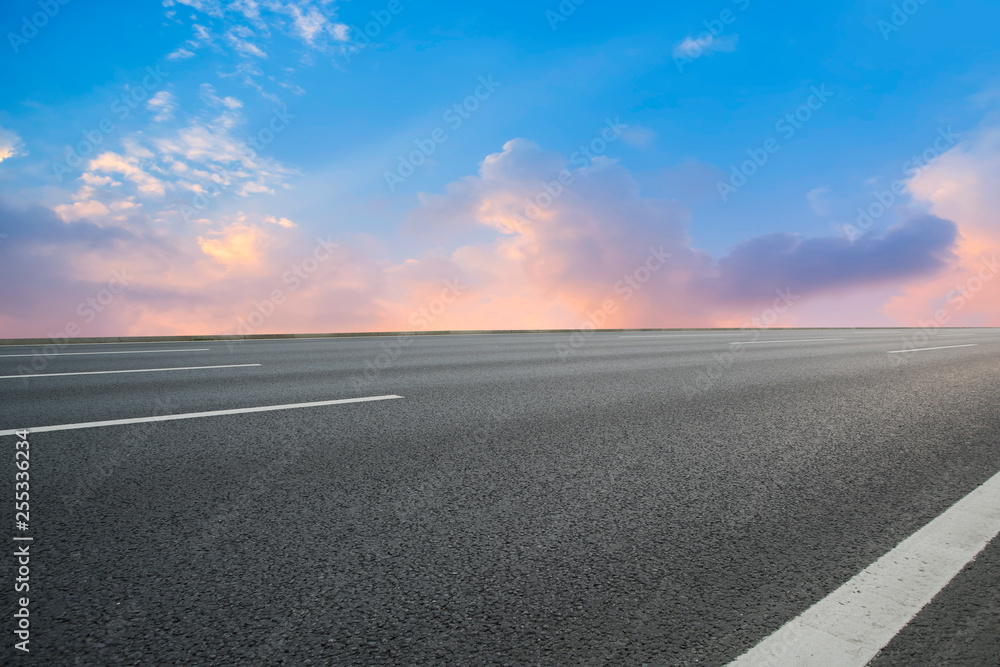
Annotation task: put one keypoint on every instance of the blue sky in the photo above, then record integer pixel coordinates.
(694, 102)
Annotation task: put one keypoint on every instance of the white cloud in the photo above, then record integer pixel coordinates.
(638, 136)
(704, 44)
(239, 38)
(124, 204)
(134, 149)
(207, 156)
(81, 209)
(311, 22)
(204, 156)
(819, 200)
(253, 188)
(281, 222)
(112, 162)
(208, 94)
(181, 54)
(210, 7)
(91, 179)
(341, 32)
(10, 145)
(163, 105)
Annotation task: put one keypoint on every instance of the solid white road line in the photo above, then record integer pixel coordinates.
(134, 370)
(802, 340)
(849, 626)
(196, 415)
(924, 349)
(70, 354)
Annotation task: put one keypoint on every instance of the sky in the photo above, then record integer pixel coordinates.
(279, 166)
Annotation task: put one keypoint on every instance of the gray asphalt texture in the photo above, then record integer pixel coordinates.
(651, 500)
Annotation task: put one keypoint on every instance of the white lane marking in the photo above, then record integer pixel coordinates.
(924, 349)
(195, 415)
(849, 626)
(134, 370)
(69, 354)
(801, 340)
(126, 342)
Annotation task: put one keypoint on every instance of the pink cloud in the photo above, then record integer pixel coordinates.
(961, 187)
(559, 245)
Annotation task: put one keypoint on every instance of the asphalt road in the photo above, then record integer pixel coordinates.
(653, 499)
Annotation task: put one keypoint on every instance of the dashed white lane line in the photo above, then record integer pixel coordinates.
(924, 349)
(849, 626)
(196, 415)
(801, 340)
(71, 354)
(133, 370)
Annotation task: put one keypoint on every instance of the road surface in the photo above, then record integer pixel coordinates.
(535, 499)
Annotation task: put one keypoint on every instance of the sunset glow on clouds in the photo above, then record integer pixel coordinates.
(962, 187)
(240, 194)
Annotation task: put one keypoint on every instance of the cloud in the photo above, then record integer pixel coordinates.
(42, 246)
(960, 186)
(162, 104)
(237, 245)
(281, 222)
(91, 179)
(176, 284)
(10, 145)
(200, 156)
(239, 38)
(819, 200)
(115, 163)
(80, 210)
(705, 44)
(310, 24)
(247, 25)
(180, 54)
(920, 246)
(638, 136)
(574, 251)
(545, 243)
